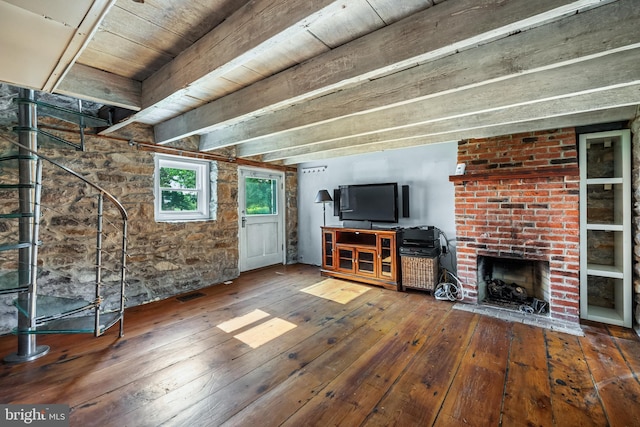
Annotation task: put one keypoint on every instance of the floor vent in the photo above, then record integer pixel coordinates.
(189, 297)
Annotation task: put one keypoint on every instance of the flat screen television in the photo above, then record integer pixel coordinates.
(369, 202)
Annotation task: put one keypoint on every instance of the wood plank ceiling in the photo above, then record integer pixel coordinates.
(291, 81)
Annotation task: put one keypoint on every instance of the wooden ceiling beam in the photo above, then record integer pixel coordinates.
(253, 29)
(386, 141)
(99, 86)
(404, 44)
(590, 76)
(574, 39)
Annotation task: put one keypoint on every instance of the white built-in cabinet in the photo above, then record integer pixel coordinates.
(605, 227)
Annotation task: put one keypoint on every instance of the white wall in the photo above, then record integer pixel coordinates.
(424, 169)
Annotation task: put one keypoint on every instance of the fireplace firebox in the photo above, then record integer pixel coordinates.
(516, 284)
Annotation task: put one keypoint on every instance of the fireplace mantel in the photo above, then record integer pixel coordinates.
(511, 174)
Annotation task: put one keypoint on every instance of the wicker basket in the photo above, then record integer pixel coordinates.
(419, 272)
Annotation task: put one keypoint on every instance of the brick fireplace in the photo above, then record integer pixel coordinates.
(518, 200)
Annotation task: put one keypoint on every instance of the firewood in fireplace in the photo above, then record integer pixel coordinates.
(509, 292)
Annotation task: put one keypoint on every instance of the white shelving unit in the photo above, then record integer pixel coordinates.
(605, 227)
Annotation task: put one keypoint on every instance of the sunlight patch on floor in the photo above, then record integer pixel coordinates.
(336, 290)
(242, 321)
(265, 332)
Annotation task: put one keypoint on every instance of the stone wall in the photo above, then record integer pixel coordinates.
(635, 185)
(164, 259)
(291, 206)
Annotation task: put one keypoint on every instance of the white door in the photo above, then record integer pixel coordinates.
(261, 215)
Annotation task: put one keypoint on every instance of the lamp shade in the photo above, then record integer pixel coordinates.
(323, 196)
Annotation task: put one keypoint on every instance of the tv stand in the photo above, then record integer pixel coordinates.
(363, 255)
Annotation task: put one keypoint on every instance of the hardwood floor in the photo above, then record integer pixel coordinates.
(384, 358)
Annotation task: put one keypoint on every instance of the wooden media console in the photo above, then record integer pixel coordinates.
(368, 256)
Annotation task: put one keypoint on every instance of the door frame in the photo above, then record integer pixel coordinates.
(242, 262)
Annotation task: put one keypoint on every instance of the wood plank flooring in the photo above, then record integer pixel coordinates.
(384, 358)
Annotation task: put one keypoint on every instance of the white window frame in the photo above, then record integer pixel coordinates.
(202, 189)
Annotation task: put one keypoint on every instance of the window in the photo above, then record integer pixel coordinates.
(181, 189)
(260, 196)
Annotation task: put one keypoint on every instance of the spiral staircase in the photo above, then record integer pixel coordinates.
(99, 304)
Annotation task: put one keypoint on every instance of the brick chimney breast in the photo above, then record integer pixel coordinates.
(519, 199)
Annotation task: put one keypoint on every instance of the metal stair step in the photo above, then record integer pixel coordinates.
(47, 136)
(66, 114)
(17, 215)
(75, 325)
(13, 246)
(12, 289)
(10, 283)
(16, 186)
(51, 307)
(17, 157)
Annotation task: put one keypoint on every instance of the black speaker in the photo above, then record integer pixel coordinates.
(336, 202)
(405, 201)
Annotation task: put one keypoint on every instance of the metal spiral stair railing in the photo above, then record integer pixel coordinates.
(51, 314)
